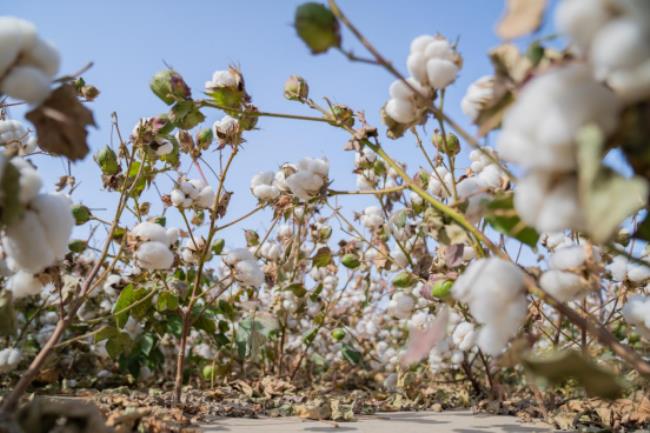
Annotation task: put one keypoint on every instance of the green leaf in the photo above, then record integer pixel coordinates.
(7, 315)
(352, 355)
(298, 289)
(167, 301)
(502, 216)
(322, 258)
(118, 344)
(607, 198)
(404, 279)
(105, 333)
(174, 324)
(559, 366)
(129, 296)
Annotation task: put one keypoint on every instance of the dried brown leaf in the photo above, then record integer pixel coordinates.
(61, 123)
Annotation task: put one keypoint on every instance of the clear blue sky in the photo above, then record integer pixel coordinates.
(129, 40)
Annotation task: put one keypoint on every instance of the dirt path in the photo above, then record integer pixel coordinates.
(400, 422)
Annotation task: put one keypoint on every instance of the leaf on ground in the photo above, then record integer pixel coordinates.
(559, 366)
(521, 17)
(607, 198)
(61, 122)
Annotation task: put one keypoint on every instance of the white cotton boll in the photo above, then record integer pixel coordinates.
(472, 190)
(416, 63)
(55, 214)
(420, 43)
(319, 166)
(206, 198)
(16, 35)
(419, 320)
(189, 188)
(439, 48)
(401, 305)
(638, 273)
(25, 242)
(238, 255)
(26, 83)
(478, 94)
(226, 126)
(172, 235)
(262, 186)
(492, 340)
(9, 357)
(330, 282)
(12, 131)
(548, 203)
(491, 176)
(148, 231)
(554, 240)
(399, 258)
(270, 251)
(464, 336)
(372, 217)
(441, 72)
(400, 90)
(154, 255)
(262, 178)
(305, 184)
(401, 110)
(180, 199)
(30, 181)
(581, 20)
(622, 43)
(23, 284)
(571, 257)
(44, 56)
(222, 79)
(204, 351)
(618, 268)
(636, 312)
(563, 286)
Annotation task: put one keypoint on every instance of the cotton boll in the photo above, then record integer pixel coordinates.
(400, 110)
(26, 243)
(249, 273)
(618, 268)
(400, 90)
(439, 48)
(416, 63)
(622, 43)
(9, 357)
(638, 273)
(491, 176)
(304, 184)
(262, 186)
(148, 231)
(636, 312)
(16, 35)
(172, 235)
(581, 19)
(238, 255)
(206, 198)
(222, 79)
(571, 257)
(12, 131)
(478, 95)
(179, 199)
(401, 305)
(23, 284)
(30, 181)
(441, 72)
(154, 255)
(563, 286)
(420, 43)
(55, 214)
(464, 336)
(26, 83)
(319, 166)
(372, 217)
(44, 56)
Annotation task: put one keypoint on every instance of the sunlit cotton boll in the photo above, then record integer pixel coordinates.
(478, 95)
(372, 217)
(433, 61)
(223, 79)
(562, 285)
(9, 359)
(23, 284)
(262, 186)
(540, 129)
(30, 181)
(464, 336)
(493, 290)
(309, 178)
(154, 255)
(549, 202)
(401, 305)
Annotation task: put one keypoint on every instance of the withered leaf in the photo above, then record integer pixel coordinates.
(521, 17)
(61, 122)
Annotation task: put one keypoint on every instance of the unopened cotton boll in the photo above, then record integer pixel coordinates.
(154, 255)
(478, 95)
(9, 359)
(549, 202)
(23, 284)
(539, 130)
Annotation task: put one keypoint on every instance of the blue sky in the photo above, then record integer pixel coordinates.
(129, 41)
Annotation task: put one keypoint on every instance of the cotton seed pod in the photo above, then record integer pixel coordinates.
(441, 289)
(404, 280)
(107, 161)
(338, 334)
(218, 245)
(81, 214)
(204, 138)
(449, 146)
(296, 88)
(317, 26)
(77, 245)
(169, 86)
(350, 261)
(343, 115)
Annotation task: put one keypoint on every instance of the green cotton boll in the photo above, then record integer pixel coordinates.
(317, 27)
(350, 261)
(107, 161)
(77, 246)
(441, 289)
(296, 88)
(404, 279)
(338, 334)
(170, 87)
(81, 214)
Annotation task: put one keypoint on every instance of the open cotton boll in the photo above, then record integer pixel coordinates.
(238, 255)
(570, 257)
(30, 181)
(319, 166)
(55, 214)
(262, 186)
(9, 358)
(23, 284)
(539, 130)
(581, 20)
(472, 190)
(401, 305)
(249, 273)
(26, 83)
(16, 35)
(154, 255)
(148, 231)
(305, 184)
(477, 96)
(439, 48)
(401, 110)
(12, 131)
(400, 90)
(547, 202)
(563, 286)
(441, 72)
(618, 268)
(223, 79)
(372, 217)
(44, 56)
(420, 43)
(416, 63)
(491, 176)
(26, 244)
(636, 312)
(180, 199)
(464, 336)
(638, 273)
